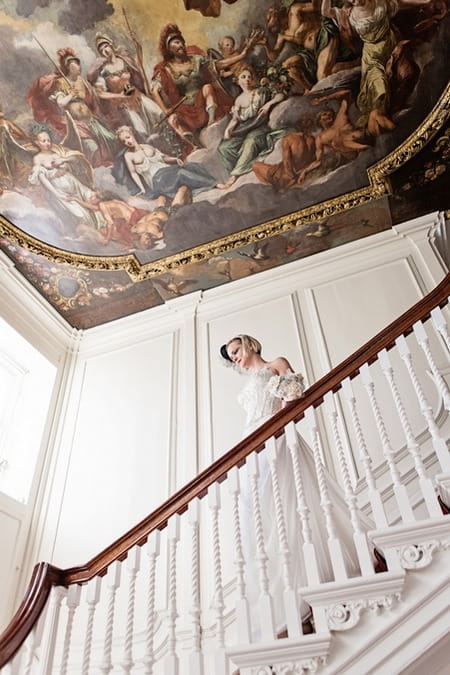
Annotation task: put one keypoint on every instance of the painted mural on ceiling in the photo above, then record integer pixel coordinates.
(148, 150)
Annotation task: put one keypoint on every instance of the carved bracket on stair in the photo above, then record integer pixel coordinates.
(307, 654)
(344, 602)
(414, 557)
(346, 615)
(298, 668)
(414, 544)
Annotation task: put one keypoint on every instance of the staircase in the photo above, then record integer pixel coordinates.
(171, 596)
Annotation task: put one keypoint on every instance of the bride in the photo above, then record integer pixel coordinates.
(270, 385)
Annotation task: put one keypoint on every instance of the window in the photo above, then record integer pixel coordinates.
(26, 383)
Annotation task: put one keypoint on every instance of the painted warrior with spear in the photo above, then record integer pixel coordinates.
(66, 102)
(185, 87)
(119, 80)
(124, 92)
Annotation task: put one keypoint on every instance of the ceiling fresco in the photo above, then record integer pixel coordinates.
(149, 150)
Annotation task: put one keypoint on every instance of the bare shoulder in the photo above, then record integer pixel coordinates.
(280, 365)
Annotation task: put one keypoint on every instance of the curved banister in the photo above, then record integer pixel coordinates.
(43, 578)
(44, 575)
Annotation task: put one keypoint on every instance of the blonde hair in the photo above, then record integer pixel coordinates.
(249, 343)
(122, 130)
(245, 66)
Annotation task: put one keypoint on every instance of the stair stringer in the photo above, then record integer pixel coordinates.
(391, 641)
(390, 632)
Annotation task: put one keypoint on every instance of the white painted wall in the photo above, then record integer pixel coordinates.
(145, 402)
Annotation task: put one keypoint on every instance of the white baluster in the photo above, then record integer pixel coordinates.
(439, 444)
(422, 339)
(196, 656)
(14, 667)
(51, 629)
(29, 651)
(425, 483)
(400, 493)
(133, 565)
(334, 544)
(376, 502)
(73, 601)
(242, 608)
(359, 537)
(112, 581)
(153, 548)
(441, 325)
(92, 598)
(266, 613)
(33, 642)
(171, 663)
(309, 551)
(26, 654)
(214, 503)
(289, 594)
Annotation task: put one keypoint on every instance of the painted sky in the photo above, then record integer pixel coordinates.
(78, 18)
(74, 23)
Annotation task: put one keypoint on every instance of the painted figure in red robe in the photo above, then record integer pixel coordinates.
(185, 87)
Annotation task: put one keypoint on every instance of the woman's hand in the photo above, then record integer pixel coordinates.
(263, 111)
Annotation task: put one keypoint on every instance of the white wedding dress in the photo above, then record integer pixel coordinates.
(261, 398)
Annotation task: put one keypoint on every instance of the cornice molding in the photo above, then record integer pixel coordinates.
(30, 314)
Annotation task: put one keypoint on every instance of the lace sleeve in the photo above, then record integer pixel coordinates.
(289, 387)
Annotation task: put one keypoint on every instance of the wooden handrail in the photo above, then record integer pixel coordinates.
(44, 575)
(43, 578)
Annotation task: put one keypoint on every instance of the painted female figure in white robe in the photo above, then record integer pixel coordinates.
(53, 168)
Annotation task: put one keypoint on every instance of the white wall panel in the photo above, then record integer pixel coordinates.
(118, 470)
(345, 313)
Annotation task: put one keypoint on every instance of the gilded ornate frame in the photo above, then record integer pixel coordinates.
(379, 186)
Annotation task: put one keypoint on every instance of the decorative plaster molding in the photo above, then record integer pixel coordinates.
(344, 616)
(414, 543)
(27, 311)
(344, 601)
(415, 556)
(347, 615)
(285, 656)
(312, 665)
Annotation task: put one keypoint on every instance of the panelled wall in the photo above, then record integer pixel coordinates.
(144, 403)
